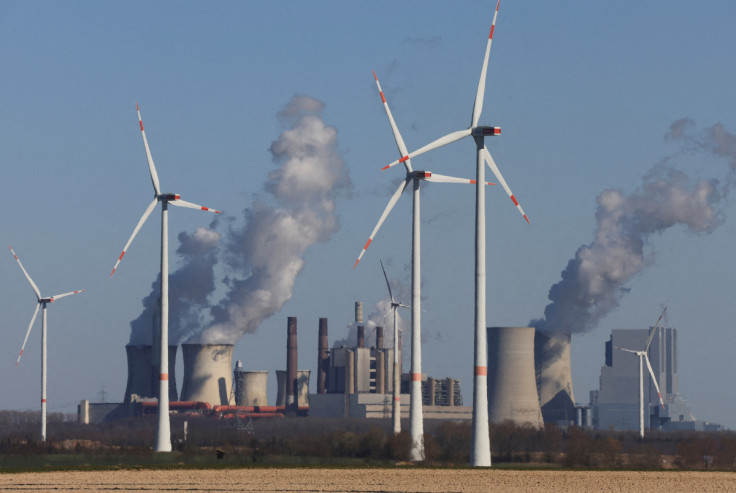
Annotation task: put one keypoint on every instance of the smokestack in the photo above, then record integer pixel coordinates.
(379, 337)
(361, 336)
(359, 312)
(323, 357)
(554, 377)
(207, 373)
(291, 363)
(250, 387)
(512, 389)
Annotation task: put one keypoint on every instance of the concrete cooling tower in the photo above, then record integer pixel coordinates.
(554, 377)
(512, 388)
(250, 387)
(302, 388)
(207, 373)
(143, 378)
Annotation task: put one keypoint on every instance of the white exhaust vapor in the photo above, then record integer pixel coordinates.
(265, 255)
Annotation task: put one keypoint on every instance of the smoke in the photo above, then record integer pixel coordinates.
(189, 287)
(594, 281)
(264, 256)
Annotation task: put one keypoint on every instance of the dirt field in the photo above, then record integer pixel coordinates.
(364, 480)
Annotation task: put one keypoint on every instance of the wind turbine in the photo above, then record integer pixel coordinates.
(643, 356)
(42, 302)
(396, 409)
(163, 437)
(480, 454)
(416, 425)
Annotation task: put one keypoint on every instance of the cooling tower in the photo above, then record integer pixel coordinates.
(250, 387)
(143, 374)
(512, 388)
(554, 377)
(207, 373)
(323, 357)
(302, 388)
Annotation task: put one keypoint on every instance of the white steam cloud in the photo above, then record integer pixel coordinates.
(594, 281)
(264, 256)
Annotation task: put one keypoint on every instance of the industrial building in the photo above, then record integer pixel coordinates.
(615, 405)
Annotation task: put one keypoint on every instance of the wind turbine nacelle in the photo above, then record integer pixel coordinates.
(170, 196)
(486, 131)
(422, 174)
(47, 300)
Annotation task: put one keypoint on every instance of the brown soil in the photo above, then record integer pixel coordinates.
(365, 480)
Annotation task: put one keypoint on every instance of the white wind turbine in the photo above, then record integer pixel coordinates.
(163, 436)
(396, 408)
(643, 356)
(480, 454)
(42, 302)
(416, 425)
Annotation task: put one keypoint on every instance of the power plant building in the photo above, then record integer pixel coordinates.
(615, 405)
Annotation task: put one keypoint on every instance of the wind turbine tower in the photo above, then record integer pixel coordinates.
(163, 435)
(42, 302)
(416, 423)
(480, 454)
(643, 356)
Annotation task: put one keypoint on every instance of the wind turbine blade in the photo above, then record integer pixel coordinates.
(387, 283)
(151, 167)
(33, 284)
(478, 105)
(499, 177)
(184, 203)
(145, 215)
(30, 326)
(654, 379)
(442, 141)
(435, 178)
(59, 296)
(627, 350)
(397, 135)
(654, 331)
(386, 211)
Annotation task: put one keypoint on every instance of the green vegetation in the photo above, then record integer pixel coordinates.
(286, 442)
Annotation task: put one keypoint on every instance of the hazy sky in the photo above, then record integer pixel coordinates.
(586, 94)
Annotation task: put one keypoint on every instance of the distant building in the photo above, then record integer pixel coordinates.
(615, 405)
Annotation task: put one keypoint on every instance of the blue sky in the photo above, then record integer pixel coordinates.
(584, 91)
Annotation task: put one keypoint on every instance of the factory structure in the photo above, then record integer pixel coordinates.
(529, 382)
(615, 405)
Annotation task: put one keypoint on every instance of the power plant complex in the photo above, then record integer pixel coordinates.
(529, 382)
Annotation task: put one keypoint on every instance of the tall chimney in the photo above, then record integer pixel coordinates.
(359, 312)
(379, 337)
(361, 336)
(323, 357)
(291, 364)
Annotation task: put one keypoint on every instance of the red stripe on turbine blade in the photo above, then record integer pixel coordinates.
(513, 199)
(383, 98)
(490, 36)
(113, 271)
(141, 122)
(403, 159)
(473, 182)
(527, 219)
(498, 4)
(121, 256)
(481, 371)
(367, 243)
(386, 167)
(356, 263)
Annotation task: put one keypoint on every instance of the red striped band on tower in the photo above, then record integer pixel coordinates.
(163, 377)
(481, 371)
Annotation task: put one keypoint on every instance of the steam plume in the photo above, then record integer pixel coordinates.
(594, 280)
(265, 255)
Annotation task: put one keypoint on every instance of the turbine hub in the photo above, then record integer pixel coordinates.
(484, 131)
(169, 196)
